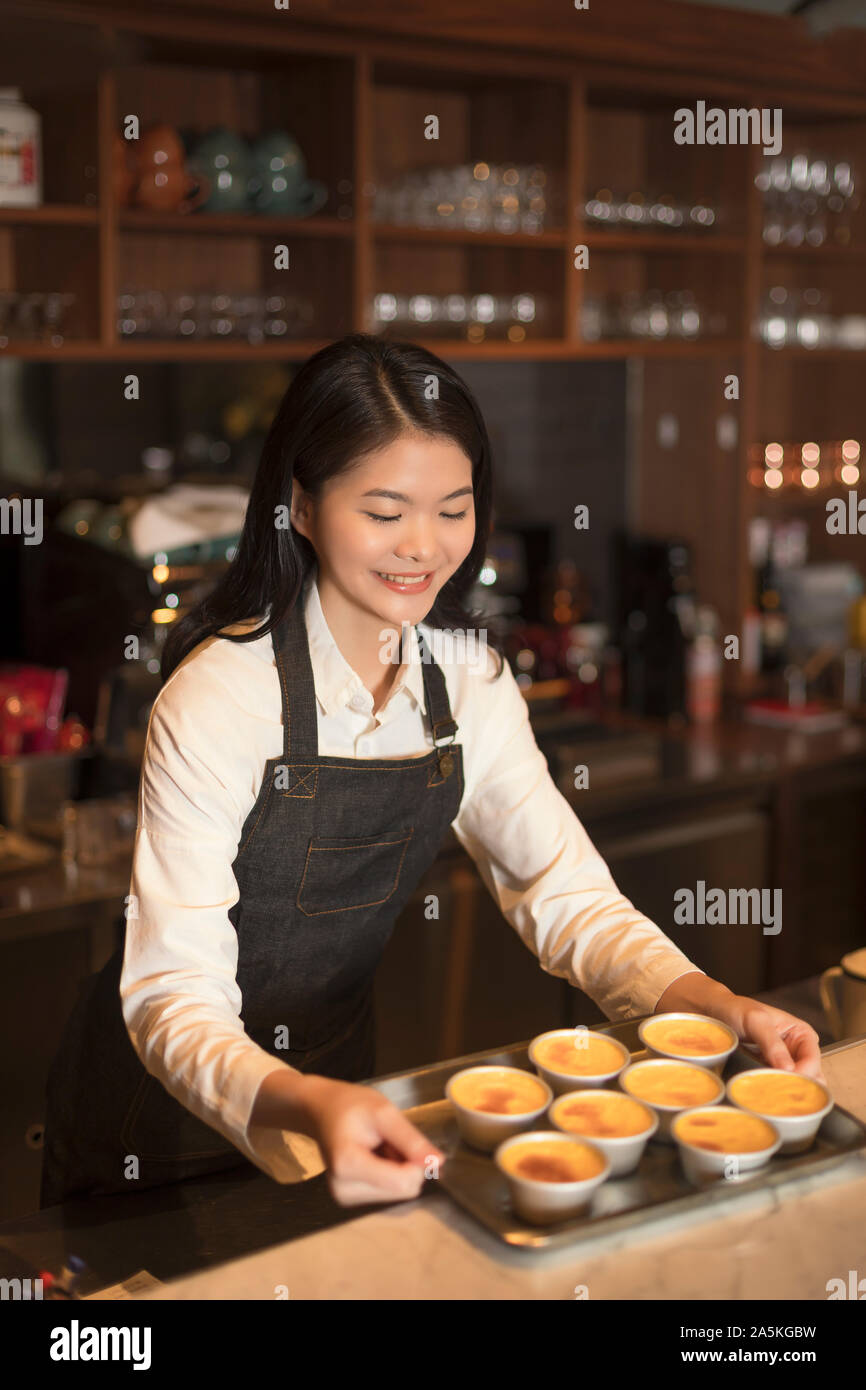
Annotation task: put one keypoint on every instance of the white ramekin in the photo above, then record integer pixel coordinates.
(797, 1131)
(624, 1151)
(710, 1062)
(667, 1113)
(561, 1081)
(543, 1202)
(701, 1166)
(484, 1130)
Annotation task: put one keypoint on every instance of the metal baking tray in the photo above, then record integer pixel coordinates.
(658, 1186)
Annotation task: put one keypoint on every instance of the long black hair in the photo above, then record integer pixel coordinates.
(352, 397)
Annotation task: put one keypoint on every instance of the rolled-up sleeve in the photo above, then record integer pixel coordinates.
(547, 877)
(179, 993)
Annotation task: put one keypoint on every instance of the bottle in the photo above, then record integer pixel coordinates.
(20, 152)
(704, 670)
(768, 600)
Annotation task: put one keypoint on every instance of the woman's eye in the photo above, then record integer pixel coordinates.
(452, 516)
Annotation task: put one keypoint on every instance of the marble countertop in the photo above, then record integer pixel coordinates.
(782, 1243)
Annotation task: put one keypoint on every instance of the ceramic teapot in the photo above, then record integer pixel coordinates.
(162, 180)
(222, 159)
(278, 184)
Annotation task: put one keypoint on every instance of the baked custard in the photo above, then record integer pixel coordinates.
(677, 1084)
(782, 1093)
(499, 1091)
(725, 1131)
(580, 1054)
(602, 1116)
(687, 1037)
(552, 1162)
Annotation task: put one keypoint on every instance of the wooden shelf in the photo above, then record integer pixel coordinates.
(462, 236)
(667, 243)
(233, 224)
(297, 349)
(835, 354)
(828, 252)
(80, 349)
(50, 215)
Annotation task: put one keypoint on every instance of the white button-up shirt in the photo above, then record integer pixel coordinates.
(213, 726)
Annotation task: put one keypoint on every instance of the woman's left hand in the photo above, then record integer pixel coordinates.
(783, 1040)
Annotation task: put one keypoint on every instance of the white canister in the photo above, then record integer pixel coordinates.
(20, 152)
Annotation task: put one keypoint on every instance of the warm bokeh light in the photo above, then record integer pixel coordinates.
(810, 454)
(163, 615)
(850, 474)
(810, 477)
(773, 478)
(773, 455)
(160, 573)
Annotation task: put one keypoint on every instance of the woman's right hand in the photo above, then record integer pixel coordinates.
(372, 1152)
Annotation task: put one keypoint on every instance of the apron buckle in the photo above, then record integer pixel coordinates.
(444, 758)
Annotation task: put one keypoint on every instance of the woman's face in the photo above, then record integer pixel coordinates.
(406, 511)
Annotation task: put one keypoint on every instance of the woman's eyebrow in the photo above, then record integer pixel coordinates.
(401, 496)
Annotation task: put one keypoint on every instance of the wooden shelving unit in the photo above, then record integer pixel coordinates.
(356, 100)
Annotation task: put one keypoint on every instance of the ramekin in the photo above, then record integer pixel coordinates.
(545, 1202)
(484, 1130)
(561, 1081)
(625, 1150)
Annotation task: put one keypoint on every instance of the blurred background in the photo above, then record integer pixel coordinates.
(696, 641)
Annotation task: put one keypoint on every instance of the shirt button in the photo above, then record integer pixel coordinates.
(358, 702)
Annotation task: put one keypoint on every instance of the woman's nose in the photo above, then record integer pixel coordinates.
(418, 544)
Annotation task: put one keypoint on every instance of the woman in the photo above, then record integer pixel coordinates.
(297, 783)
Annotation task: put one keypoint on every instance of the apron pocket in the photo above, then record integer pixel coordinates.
(158, 1127)
(344, 875)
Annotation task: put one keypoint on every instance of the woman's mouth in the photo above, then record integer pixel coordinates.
(405, 583)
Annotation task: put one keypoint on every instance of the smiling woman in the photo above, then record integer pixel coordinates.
(298, 782)
(365, 556)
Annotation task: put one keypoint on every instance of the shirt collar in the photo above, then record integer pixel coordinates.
(335, 681)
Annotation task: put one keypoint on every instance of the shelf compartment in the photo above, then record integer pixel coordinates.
(630, 148)
(405, 270)
(319, 276)
(308, 96)
(47, 259)
(56, 65)
(811, 396)
(832, 142)
(484, 118)
(623, 278)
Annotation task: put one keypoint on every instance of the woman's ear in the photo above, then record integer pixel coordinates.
(301, 511)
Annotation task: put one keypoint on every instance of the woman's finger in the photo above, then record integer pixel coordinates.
(805, 1048)
(359, 1176)
(761, 1029)
(413, 1146)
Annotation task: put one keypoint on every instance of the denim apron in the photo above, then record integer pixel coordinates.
(328, 858)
